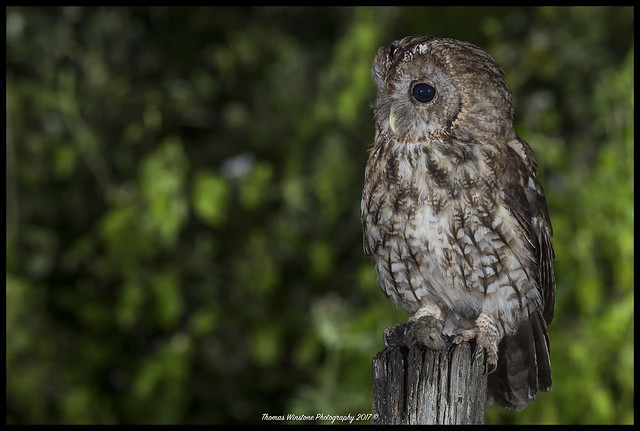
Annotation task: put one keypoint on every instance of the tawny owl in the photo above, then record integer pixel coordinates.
(453, 214)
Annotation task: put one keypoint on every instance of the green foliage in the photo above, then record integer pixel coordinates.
(210, 196)
(183, 185)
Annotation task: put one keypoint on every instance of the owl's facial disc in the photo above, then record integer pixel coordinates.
(423, 93)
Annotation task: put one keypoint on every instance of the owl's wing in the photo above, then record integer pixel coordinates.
(528, 204)
(524, 366)
(371, 203)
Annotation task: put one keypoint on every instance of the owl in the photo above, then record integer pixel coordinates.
(453, 215)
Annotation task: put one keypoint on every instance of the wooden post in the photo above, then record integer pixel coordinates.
(418, 385)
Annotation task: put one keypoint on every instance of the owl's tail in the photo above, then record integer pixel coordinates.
(523, 367)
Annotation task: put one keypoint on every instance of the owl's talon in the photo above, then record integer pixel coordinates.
(477, 353)
(395, 335)
(486, 335)
(490, 367)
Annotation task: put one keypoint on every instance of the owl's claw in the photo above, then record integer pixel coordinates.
(487, 337)
(477, 353)
(395, 335)
(488, 366)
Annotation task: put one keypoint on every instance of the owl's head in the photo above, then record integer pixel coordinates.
(432, 87)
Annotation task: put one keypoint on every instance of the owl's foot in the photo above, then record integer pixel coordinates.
(395, 335)
(487, 336)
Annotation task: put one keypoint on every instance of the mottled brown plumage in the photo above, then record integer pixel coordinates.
(453, 214)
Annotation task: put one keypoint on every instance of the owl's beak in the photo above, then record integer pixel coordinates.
(392, 118)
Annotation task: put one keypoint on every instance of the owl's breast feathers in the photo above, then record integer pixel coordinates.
(463, 225)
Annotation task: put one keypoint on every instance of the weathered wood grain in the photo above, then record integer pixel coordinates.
(417, 385)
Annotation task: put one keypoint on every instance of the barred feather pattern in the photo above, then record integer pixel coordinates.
(452, 212)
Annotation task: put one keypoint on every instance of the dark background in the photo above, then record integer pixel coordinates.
(183, 193)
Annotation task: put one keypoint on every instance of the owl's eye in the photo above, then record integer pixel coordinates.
(394, 51)
(423, 92)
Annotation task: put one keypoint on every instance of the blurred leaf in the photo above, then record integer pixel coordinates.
(162, 183)
(168, 297)
(255, 189)
(210, 196)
